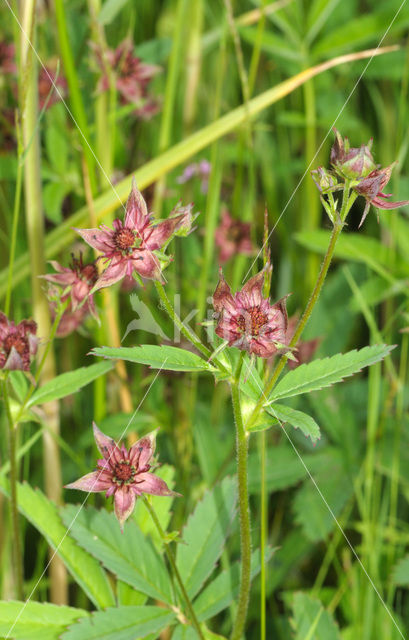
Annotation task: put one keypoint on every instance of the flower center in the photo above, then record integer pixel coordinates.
(124, 239)
(16, 341)
(253, 320)
(123, 472)
(236, 231)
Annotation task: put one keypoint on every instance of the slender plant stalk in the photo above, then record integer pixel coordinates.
(337, 228)
(16, 540)
(263, 536)
(185, 330)
(244, 511)
(41, 314)
(175, 570)
(16, 211)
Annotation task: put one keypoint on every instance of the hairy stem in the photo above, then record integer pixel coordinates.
(175, 570)
(244, 511)
(16, 542)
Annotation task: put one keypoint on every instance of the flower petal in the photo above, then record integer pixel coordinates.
(153, 485)
(142, 451)
(112, 274)
(91, 482)
(251, 293)
(146, 264)
(222, 297)
(104, 443)
(97, 239)
(136, 215)
(124, 503)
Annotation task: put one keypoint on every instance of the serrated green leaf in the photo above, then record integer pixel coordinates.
(187, 632)
(157, 357)
(19, 383)
(43, 515)
(122, 623)
(223, 590)
(36, 621)
(297, 419)
(129, 555)
(204, 535)
(327, 371)
(312, 621)
(68, 383)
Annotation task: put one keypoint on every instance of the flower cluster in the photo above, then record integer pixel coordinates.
(247, 320)
(357, 165)
(123, 474)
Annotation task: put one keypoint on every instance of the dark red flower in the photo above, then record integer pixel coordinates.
(131, 245)
(247, 320)
(123, 474)
(371, 188)
(18, 343)
(78, 281)
(233, 236)
(131, 75)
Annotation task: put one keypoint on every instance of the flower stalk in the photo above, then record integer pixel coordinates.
(16, 541)
(242, 478)
(175, 570)
(339, 219)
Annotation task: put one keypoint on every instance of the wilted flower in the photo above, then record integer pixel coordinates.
(233, 236)
(131, 75)
(201, 170)
(371, 188)
(78, 280)
(247, 320)
(123, 474)
(7, 63)
(129, 247)
(352, 163)
(17, 343)
(48, 83)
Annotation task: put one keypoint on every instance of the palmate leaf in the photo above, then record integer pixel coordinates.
(43, 515)
(129, 555)
(327, 371)
(157, 357)
(312, 621)
(68, 383)
(122, 623)
(204, 535)
(36, 621)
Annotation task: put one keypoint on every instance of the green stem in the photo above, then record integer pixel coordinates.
(16, 211)
(263, 537)
(175, 570)
(245, 536)
(185, 330)
(16, 542)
